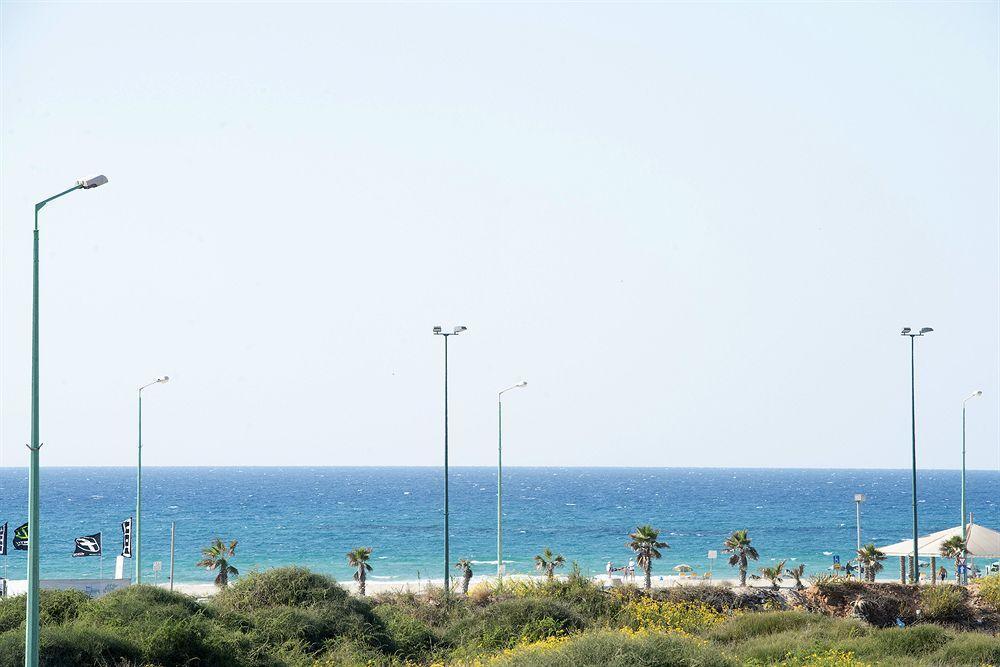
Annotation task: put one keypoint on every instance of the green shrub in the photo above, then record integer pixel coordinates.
(281, 587)
(616, 649)
(56, 607)
(169, 628)
(918, 640)
(69, 646)
(12, 612)
(988, 590)
(969, 648)
(310, 628)
(759, 624)
(506, 623)
(411, 638)
(943, 603)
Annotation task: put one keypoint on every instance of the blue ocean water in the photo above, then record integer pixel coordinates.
(313, 516)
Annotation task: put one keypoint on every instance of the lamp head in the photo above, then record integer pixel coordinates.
(92, 182)
(522, 383)
(906, 331)
(859, 497)
(437, 330)
(165, 378)
(925, 330)
(459, 330)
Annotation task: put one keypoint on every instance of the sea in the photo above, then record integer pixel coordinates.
(314, 516)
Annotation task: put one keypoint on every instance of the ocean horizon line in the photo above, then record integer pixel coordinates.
(485, 467)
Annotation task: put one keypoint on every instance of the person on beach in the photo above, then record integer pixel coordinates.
(630, 570)
(610, 568)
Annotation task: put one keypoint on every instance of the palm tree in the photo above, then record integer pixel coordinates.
(547, 562)
(358, 558)
(954, 547)
(871, 558)
(216, 557)
(773, 574)
(738, 544)
(646, 546)
(465, 565)
(796, 573)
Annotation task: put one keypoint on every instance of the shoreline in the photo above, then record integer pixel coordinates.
(203, 590)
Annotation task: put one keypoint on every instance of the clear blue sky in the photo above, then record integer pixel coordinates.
(694, 229)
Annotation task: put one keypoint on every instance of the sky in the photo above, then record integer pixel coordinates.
(694, 229)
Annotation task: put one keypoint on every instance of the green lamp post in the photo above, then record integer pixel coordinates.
(965, 535)
(138, 487)
(907, 331)
(438, 331)
(520, 384)
(34, 533)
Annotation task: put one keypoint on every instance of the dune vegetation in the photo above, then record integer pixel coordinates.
(291, 617)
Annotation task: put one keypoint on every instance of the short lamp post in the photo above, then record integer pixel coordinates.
(907, 331)
(965, 534)
(34, 532)
(500, 394)
(438, 331)
(138, 487)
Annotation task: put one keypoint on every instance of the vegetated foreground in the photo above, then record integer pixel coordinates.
(291, 616)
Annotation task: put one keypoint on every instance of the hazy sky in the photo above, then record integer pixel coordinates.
(696, 230)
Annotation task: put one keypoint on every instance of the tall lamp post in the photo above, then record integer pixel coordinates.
(965, 536)
(858, 499)
(34, 534)
(907, 331)
(138, 487)
(438, 331)
(520, 384)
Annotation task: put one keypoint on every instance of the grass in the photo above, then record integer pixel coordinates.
(291, 617)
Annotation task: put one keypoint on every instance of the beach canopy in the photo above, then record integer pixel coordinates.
(982, 543)
(683, 568)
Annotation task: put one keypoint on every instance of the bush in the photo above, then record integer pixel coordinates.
(943, 603)
(57, 607)
(169, 628)
(918, 640)
(749, 626)
(69, 646)
(12, 612)
(987, 589)
(54, 607)
(969, 648)
(666, 616)
(411, 638)
(281, 587)
(506, 623)
(615, 649)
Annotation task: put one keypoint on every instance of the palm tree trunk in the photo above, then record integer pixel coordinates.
(743, 576)
(958, 578)
(649, 581)
(361, 581)
(465, 583)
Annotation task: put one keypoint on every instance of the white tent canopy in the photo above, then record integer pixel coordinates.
(983, 543)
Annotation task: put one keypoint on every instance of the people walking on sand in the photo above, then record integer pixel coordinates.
(630, 570)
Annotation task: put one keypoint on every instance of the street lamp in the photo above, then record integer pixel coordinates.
(34, 533)
(907, 331)
(438, 331)
(975, 394)
(138, 487)
(520, 384)
(858, 499)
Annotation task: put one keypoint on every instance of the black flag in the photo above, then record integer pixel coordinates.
(127, 538)
(20, 540)
(88, 545)
(3, 539)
